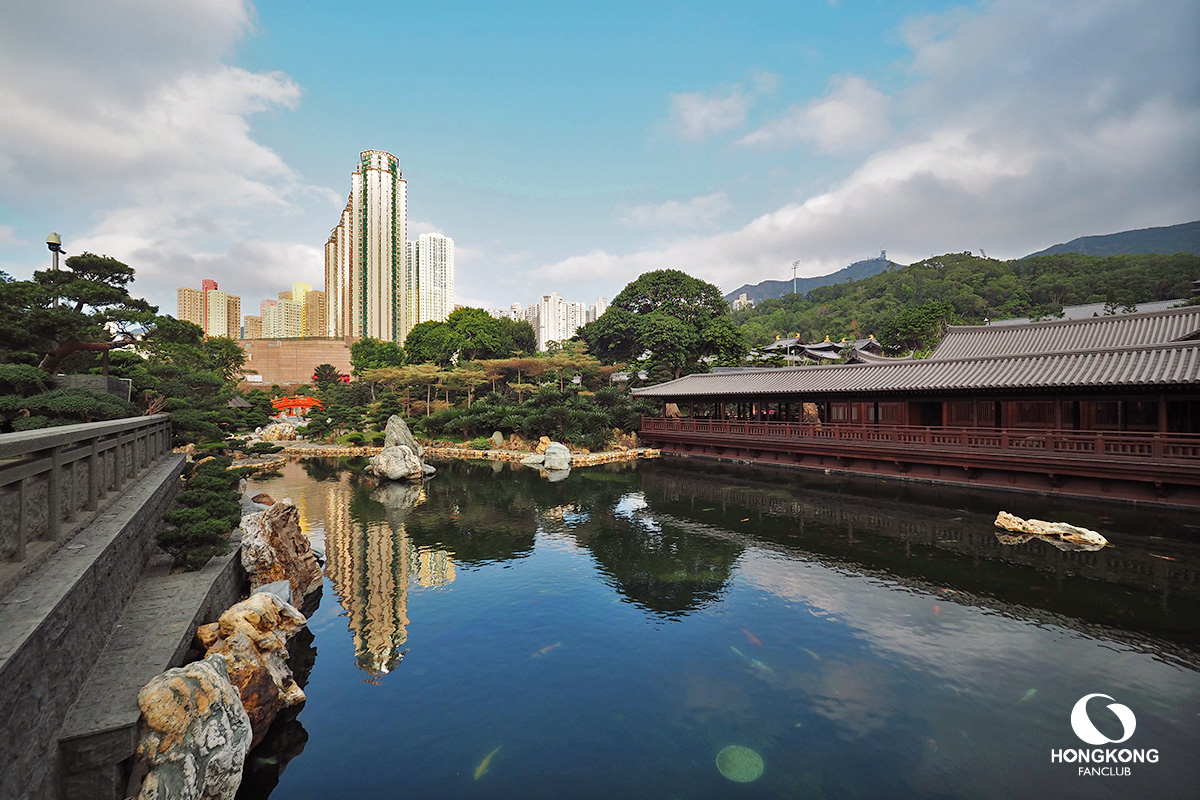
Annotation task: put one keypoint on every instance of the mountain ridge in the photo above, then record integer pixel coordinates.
(766, 290)
(1166, 239)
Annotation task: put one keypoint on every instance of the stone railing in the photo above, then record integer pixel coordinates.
(55, 480)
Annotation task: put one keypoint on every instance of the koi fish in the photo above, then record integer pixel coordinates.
(760, 666)
(747, 519)
(543, 651)
(1164, 558)
(937, 611)
(482, 769)
(750, 637)
(739, 652)
(1028, 695)
(815, 657)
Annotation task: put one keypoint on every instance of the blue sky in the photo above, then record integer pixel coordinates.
(570, 147)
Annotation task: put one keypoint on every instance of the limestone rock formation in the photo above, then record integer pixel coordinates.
(194, 733)
(278, 432)
(397, 463)
(542, 444)
(397, 433)
(1053, 532)
(274, 548)
(497, 439)
(252, 636)
(534, 460)
(557, 456)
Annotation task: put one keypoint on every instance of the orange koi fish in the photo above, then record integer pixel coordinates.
(750, 637)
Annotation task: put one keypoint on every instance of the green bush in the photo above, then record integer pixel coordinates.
(209, 510)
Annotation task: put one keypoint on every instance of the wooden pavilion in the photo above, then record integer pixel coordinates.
(1104, 406)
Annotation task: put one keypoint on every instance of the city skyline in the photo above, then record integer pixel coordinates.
(569, 152)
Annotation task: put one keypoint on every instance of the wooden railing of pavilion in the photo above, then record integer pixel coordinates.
(1158, 460)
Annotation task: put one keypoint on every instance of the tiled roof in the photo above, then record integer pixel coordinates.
(1161, 364)
(1066, 336)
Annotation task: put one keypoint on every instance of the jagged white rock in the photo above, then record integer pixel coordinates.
(1061, 531)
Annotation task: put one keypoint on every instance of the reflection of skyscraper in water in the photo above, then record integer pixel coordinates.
(371, 565)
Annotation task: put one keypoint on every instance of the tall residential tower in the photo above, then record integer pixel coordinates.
(430, 278)
(366, 257)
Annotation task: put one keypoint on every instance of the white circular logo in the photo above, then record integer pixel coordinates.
(1085, 730)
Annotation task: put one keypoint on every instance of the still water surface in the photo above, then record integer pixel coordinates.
(493, 635)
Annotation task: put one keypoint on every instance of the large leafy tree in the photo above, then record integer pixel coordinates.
(468, 334)
(429, 343)
(368, 353)
(671, 318)
(85, 307)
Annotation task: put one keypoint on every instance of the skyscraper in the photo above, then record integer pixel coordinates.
(366, 256)
(216, 312)
(430, 278)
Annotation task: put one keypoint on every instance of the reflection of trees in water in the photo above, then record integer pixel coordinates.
(478, 515)
(660, 567)
(481, 514)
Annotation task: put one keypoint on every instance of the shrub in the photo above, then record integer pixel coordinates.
(210, 509)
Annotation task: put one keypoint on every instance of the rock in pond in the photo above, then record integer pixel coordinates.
(252, 636)
(397, 463)
(557, 456)
(194, 733)
(1081, 538)
(534, 460)
(397, 433)
(274, 548)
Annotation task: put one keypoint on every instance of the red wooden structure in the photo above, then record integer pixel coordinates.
(297, 405)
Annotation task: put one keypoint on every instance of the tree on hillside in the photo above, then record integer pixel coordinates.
(675, 318)
(916, 329)
(85, 307)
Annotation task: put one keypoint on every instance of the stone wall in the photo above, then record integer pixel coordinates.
(287, 361)
(56, 622)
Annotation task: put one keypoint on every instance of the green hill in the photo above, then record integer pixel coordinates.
(1183, 238)
(856, 271)
(974, 288)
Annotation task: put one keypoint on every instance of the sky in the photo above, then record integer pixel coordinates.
(570, 147)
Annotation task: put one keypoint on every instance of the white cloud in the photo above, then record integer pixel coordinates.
(8, 234)
(137, 115)
(696, 116)
(417, 227)
(695, 213)
(851, 117)
(1028, 123)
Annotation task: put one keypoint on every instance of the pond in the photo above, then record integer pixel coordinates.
(490, 634)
